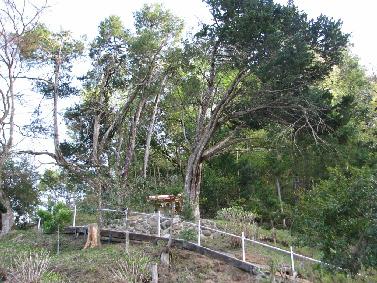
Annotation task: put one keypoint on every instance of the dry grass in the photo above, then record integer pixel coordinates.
(132, 269)
(28, 267)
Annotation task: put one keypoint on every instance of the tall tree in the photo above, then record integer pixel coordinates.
(255, 64)
(127, 71)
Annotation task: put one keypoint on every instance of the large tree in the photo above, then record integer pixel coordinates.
(255, 64)
(129, 69)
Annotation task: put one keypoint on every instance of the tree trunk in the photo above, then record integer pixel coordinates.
(192, 184)
(149, 136)
(99, 199)
(132, 140)
(7, 218)
(280, 200)
(58, 248)
(93, 239)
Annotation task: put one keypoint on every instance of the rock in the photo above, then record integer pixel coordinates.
(166, 224)
(176, 219)
(139, 228)
(206, 233)
(152, 221)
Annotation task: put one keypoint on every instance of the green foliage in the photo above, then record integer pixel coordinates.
(19, 182)
(339, 217)
(60, 185)
(59, 215)
(188, 234)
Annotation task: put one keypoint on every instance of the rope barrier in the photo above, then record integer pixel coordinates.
(203, 227)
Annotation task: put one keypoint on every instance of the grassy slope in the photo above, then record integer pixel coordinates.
(77, 265)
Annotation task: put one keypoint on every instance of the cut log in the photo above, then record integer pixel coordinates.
(93, 239)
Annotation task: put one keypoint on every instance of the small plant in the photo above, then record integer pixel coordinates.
(59, 215)
(49, 277)
(188, 234)
(134, 268)
(51, 221)
(29, 267)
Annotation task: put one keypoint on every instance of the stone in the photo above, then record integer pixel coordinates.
(165, 224)
(152, 221)
(206, 233)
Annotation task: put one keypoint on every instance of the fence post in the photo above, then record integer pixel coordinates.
(243, 247)
(127, 240)
(154, 272)
(159, 223)
(39, 223)
(292, 262)
(126, 217)
(74, 217)
(199, 232)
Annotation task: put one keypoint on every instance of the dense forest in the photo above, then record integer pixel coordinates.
(262, 110)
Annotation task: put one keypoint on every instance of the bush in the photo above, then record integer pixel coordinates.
(343, 223)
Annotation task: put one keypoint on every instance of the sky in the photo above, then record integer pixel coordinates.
(83, 16)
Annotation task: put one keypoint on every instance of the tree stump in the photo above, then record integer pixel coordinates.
(93, 239)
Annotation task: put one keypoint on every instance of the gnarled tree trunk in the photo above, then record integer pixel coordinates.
(192, 183)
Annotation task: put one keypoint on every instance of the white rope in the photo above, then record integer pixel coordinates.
(142, 213)
(268, 246)
(309, 258)
(222, 232)
(110, 210)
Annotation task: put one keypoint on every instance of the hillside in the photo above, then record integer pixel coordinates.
(103, 264)
(95, 265)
